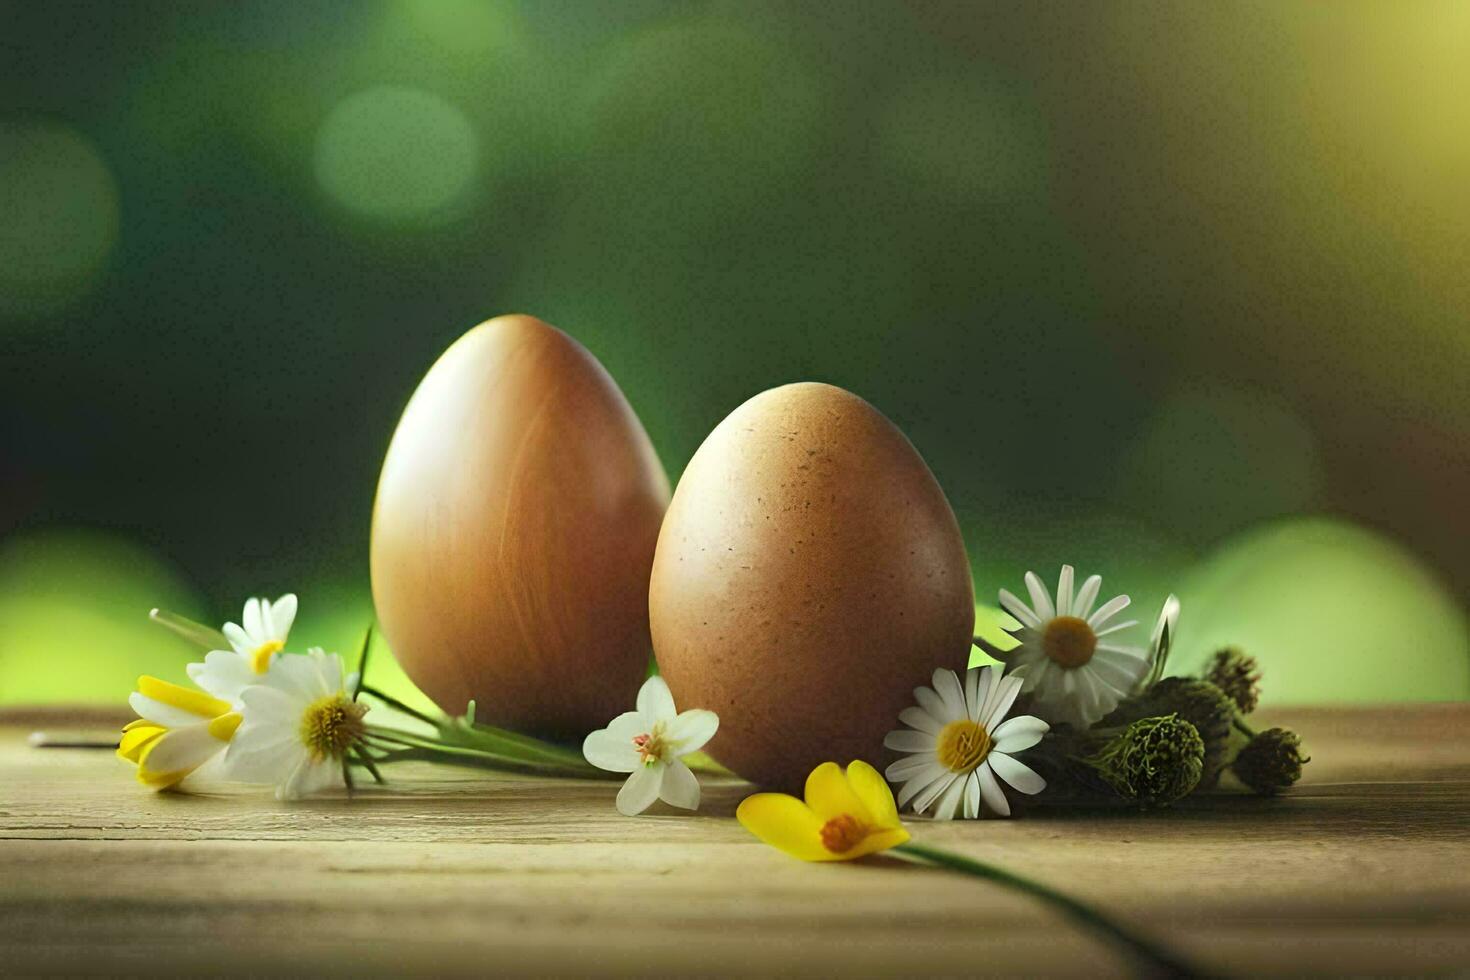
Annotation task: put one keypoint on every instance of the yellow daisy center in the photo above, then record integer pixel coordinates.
(842, 833)
(1069, 641)
(261, 658)
(330, 725)
(651, 745)
(962, 746)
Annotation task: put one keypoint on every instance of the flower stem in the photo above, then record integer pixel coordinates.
(398, 705)
(1158, 960)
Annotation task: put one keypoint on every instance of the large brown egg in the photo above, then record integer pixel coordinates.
(809, 575)
(513, 532)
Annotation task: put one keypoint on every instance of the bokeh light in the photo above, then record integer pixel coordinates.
(1214, 459)
(74, 621)
(58, 215)
(397, 154)
(1334, 612)
(965, 139)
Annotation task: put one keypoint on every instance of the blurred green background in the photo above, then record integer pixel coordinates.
(1176, 293)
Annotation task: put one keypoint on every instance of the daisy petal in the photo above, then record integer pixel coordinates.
(949, 803)
(921, 784)
(1019, 609)
(1017, 774)
(972, 797)
(972, 694)
(912, 767)
(990, 791)
(1005, 697)
(1021, 732)
(948, 686)
(908, 740)
(920, 719)
(1040, 600)
(932, 703)
(1086, 596)
(1064, 592)
(931, 793)
(1107, 611)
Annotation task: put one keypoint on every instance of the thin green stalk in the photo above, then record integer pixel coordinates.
(366, 761)
(449, 752)
(452, 756)
(362, 661)
(398, 705)
(1158, 960)
(1242, 727)
(200, 635)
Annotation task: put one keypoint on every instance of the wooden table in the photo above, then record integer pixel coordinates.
(1365, 868)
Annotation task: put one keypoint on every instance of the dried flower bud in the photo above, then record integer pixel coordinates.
(1238, 676)
(1154, 762)
(1271, 762)
(1200, 703)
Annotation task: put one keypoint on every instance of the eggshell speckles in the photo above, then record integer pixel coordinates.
(809, 575)
(513, 532)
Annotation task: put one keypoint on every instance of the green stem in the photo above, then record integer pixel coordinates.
(1158, 960)
(478, 757)
(366, 761)
(398, 705)
(452, 756)
(362, 661)
(197, 633)
(1242, 727)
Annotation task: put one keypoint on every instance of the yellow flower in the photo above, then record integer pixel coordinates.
(179, 730)
(845, 816)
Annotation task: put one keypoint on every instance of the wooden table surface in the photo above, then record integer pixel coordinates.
(1364, 868)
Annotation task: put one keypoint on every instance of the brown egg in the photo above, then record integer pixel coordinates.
(513, 532)
(809, 575)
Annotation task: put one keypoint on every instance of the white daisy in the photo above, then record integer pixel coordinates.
(299, 724)
(960, 742)
(650, 743)
(259, 637)
(1070, 657)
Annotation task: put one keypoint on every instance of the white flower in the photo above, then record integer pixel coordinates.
(1070, 659)
(299, 724)
(649, 743)
(178, 731)
(1162, 641)
(266, 624)
(960, 742)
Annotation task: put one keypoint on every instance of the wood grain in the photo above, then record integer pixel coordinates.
(1365, 868)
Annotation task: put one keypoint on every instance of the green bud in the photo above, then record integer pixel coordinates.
(1200, 703)
(1237, 675)
(1154, 762)
(1270, 762)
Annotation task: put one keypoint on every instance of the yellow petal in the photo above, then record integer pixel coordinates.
(830, 795)
(785, 823)
(878, 840)
(136, 739)
(183, 698)
(874, 793)
(223, 727)
(139, 723)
